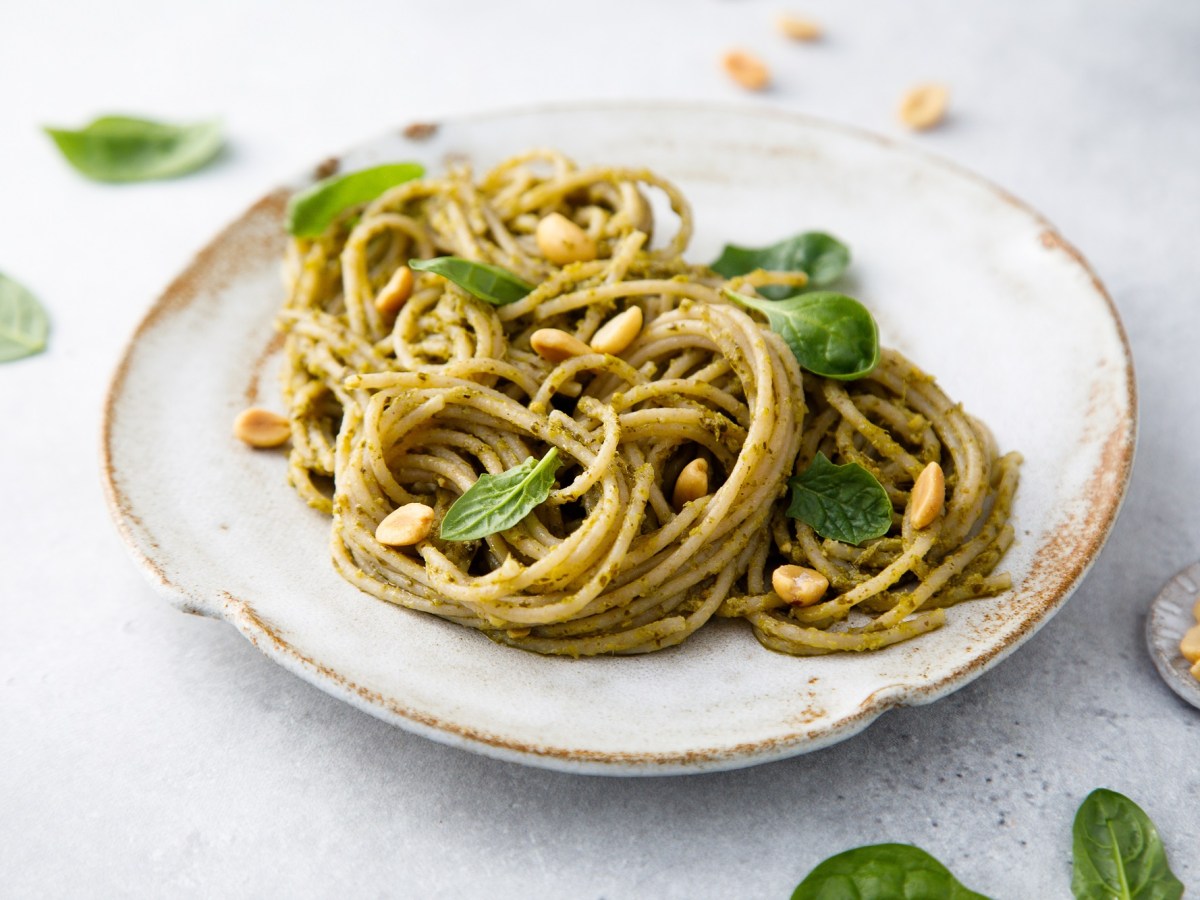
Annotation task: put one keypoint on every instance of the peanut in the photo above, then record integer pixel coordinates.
(261, 428)
(405, 526)
(396, 292)
(798, 585)
(928, 496)
(747, 70)
(924, 106)
(692, 483)
(555, 345)
(618, 332)
(798, 28)
(1190, 645)
(562, 241)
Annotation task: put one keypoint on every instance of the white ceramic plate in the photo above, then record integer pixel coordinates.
(1170, 616)
(970, 283)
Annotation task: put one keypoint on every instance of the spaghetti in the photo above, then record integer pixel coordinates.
(412, 408)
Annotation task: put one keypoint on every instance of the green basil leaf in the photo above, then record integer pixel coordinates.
(882, 872)
(1118, 853)
(496, 502)
(846, 503)
(490, 283)
(23, 322)
(310, 211)
(121, 148)
(830, 334)
(822, 257)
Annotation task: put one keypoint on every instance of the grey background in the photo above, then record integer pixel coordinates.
(148, 753)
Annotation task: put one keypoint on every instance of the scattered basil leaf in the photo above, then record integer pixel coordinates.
(121, 148)
(830, 334)
(846, 503)
(496, 502)
(23, 322)
(1118, 853)
(310, 211)
(489, 283)
(882, 872)
(821, 256)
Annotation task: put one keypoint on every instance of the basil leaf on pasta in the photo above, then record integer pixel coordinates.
(1118, 853)
(23, 322)
(820, 256)
(123, 148)
(846, 503)
(310, 211)
(489, 283)
(882, 872)
(496, 502)
(830, 334)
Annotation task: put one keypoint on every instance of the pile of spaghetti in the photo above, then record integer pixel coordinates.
(394, 407)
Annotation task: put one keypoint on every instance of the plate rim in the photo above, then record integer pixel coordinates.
(240, 613)
(1185, 687)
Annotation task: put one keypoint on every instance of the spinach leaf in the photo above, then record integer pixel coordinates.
(822, 257)
(830, 334)
(496, 502)
(490, 283)
(846, 503)
(23, 322)
(1118, 853)
(882, 872)
(310, 211)
(121, 148)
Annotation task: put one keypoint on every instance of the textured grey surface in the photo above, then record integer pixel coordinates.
(147, 753)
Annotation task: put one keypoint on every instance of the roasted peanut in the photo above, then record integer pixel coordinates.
(261, 428)
(798, 28)
(924, 106)
(396, 292)
(692, 483)
(555, 345)
(562, 241)
(928, 496)
(618, 332)
(798, 585)
(747, 70)
(1196, 608)
(405, 526)
(1190, 645)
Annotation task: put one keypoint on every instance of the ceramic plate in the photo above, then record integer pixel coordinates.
(967, 281)
(1171, 614)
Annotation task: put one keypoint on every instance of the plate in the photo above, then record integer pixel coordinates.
(1170, 616)
(967, 281)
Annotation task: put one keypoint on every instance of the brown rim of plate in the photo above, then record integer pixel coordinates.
(1067, 569)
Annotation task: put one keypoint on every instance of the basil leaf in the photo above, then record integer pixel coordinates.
(490, 283)
(310, 211)
(1118, 853)
(496, 502)
(830, 334)
(846, 503)
(822, 257)
(23, 322)
(882, 872)
(121, 148)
